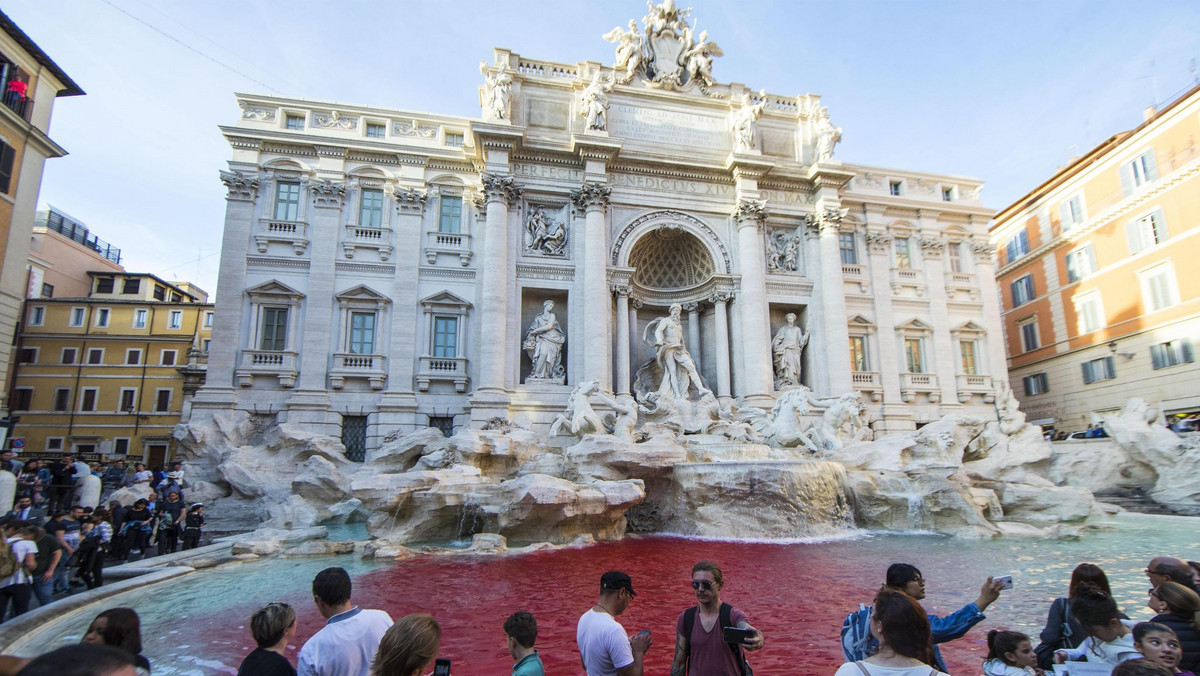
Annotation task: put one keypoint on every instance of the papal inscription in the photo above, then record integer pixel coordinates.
(669, 126)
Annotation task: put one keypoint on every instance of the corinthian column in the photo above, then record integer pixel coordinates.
(499, 192)
(592, 199)
(719, 299)
(756, 339)
(622, 292)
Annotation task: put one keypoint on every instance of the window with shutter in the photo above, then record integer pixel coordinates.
(7, 156)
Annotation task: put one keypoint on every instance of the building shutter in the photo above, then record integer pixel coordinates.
(1151, 165)
(1134, 237)
(1160, 226)
(1185, 345)
(1072, 268)
(7, 154)
(1126, 174)
(1157, 356)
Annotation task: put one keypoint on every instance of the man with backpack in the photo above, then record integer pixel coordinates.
(700, 643)
(17, 558)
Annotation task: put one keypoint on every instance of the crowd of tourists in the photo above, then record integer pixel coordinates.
(894, 636)
(54, 545)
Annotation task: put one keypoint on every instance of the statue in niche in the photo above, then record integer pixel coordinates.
(543, 343)
(745, 121)
(827, 135)
(678, 370)
(788, 347)
(631, 48)
(698, 60)
(545, 236)
(496, 90)
(593, 103)
(783, 250)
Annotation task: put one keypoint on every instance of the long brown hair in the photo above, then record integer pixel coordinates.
(408, 645)
(904, 625)
(1180, 601)
(1089, 572)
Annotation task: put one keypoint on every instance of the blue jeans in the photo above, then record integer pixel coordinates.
(62, 577)
(44, 591)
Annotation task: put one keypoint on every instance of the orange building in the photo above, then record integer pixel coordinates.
(29, 84)
(1098, 276)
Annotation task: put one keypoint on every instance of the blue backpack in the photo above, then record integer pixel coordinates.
(857, 642)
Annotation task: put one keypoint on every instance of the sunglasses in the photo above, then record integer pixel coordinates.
(702, 584)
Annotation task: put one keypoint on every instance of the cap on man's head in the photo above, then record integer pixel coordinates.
(615, 579)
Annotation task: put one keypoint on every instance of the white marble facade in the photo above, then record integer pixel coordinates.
(391, 264)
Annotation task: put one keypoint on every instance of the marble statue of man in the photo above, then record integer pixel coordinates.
(496, 90)
(678, 369)
(745, 122)
(788, 347)
(543, 343)
(827, 135)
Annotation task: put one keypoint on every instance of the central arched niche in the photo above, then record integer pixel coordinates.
(670, 259)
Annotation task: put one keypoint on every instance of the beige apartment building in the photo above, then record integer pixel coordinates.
(62, 255)
(1096, 267)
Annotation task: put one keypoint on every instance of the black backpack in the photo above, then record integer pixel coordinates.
(723, 620)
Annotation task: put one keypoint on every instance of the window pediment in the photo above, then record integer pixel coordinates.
(363, 295)
(273, 289)
(444, 300)
(968, 329)
(915, 325)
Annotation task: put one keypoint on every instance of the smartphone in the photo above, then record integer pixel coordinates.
(441, 667)
(1006, 579)
(644, 632)
(736, 635)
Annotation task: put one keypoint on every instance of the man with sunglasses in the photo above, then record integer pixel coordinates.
(700, 647)
(604, 648)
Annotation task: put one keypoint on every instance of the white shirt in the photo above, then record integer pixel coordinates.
(851, 669)
(145, 476)
(20, 549)
(603, 644)
(345, 646)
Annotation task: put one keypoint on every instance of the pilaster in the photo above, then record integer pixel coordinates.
(592, 200)
(750, 215)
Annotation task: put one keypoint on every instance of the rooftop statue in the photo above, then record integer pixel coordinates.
(593, 103)
(497, 89)
(827, 135)
(745, 121)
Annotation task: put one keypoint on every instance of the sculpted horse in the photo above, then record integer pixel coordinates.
(579, 418)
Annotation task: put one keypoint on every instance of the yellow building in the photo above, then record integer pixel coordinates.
(1098, 279)
(112, 373)
(29, 84)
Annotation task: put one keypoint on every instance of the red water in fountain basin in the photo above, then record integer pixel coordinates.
(797, 595)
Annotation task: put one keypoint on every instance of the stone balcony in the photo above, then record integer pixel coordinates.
(962, 283)
(867, 382)
(907, 278)
(975, 384)
(855, 274)
(458, 244)
(912, 384)
(371, 367)
(443, 369)
(292, 233)
(367, 237)
(282, 365)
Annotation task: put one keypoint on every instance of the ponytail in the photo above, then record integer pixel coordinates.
(1002, 642)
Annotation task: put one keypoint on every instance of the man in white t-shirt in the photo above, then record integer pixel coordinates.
(604, 648)
(348, 642)
(19, 537)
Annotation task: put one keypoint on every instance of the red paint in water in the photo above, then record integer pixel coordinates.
(797, 596)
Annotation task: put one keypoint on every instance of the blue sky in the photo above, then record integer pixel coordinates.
(1002, 91)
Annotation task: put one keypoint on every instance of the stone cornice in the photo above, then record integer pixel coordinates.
(748, 166)
(829, 176)
(599, 148)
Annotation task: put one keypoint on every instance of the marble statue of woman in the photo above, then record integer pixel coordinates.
(698, 59)
(630, 49)
(543, 343)
(827, 135)
(678, 369)
(496, 91)
(745, 121)
(788, 347)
